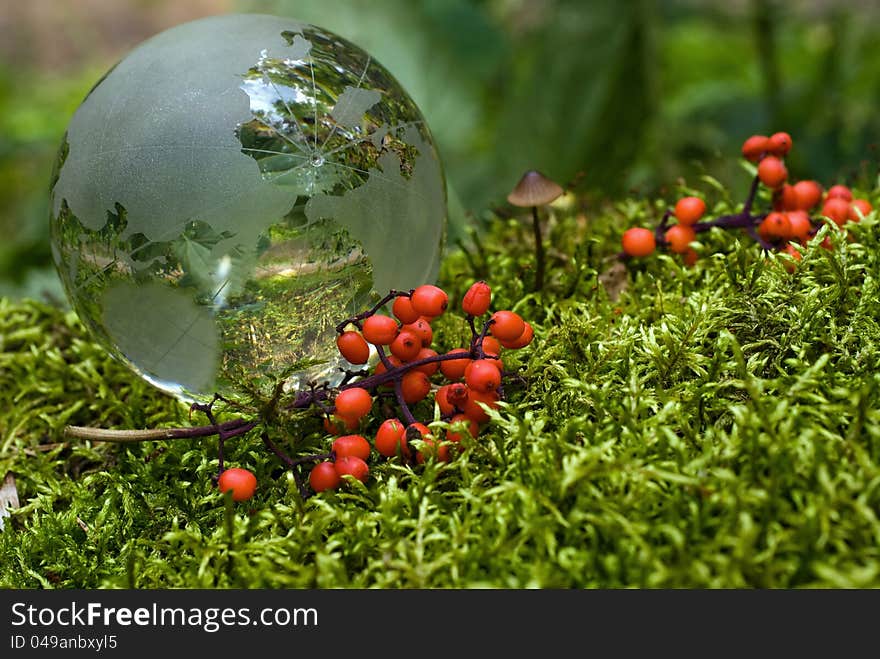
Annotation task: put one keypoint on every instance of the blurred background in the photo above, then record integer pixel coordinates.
(611, 97)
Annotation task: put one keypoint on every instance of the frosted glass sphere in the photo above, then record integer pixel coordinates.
(230, 191)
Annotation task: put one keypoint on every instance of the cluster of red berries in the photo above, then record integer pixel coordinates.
(788, 220)
(462, 380)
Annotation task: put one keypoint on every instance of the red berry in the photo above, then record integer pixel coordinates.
(755, 147)
(690, 257)
(859, 209)
(800, 225)
(840, 191)
(415, 386)
(457, 393)
(323, 477)
(353, 403)
(507, 325)
(430, 449)
(390, 438)
(638, 241)
(472, 408)
(418, 431)
(678, 237)
(353, 347)
(406, 345)
(809, 193)
(380, 367)
(477, 299)
(779, 144)
(336, 425)
(431, 367)
(775, 226)
(380, 330)
(402, 309)
(483, 375)
(788, 198)
(793, 252)
(461, 420)
(524, 339)
(356, 445)
(491, 346)
(442, 400)
(241, 482)
(772, 172)
(429, 300)
(453, 369)
(689, 210)
(352, 466)
(836, 208)
(422, 329)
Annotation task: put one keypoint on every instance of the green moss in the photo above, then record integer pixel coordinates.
(714, 426)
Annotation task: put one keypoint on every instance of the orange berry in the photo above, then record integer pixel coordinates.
(779, 144)
(352, 466)
(453, 369)
(351, 445)
(415, 386)
(353, 403)
(800, 225)
(840, 191)
(837, 209)
(793, 252)
(788, 197)
(431, 367)
(491, 346)
(524, 339)
(380, 330)
(477, 299)
(678, 237)
(755, 147)
(473, 410)
(859, 209)
(809, 194)
(429, 300)
(422, 329)
(638, 241)
(473, 428)
(402, 309)
(457, 393)
(772, 172)
(353, 347)
(775, 226)
(507, 325)
(336, 424)
(690, 257)
(241, 482)
(406, 346)
(323, 477)
(689, 210)
(483, 375)
(390, 438)
(430, 448)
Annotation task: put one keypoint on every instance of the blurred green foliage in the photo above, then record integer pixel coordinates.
(614, 98)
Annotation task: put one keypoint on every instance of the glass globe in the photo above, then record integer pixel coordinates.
(230, 191)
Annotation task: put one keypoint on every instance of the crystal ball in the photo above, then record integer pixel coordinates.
(230, 191)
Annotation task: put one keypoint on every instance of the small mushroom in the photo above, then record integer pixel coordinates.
(533, 190)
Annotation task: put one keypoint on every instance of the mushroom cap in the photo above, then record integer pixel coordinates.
(534, 189)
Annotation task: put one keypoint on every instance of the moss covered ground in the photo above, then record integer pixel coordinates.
(714, 426)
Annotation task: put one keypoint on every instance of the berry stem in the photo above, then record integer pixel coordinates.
(233, 428)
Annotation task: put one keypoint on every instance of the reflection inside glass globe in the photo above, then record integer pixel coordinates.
(219, 204)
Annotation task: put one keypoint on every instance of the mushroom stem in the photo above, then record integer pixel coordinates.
(539, 250)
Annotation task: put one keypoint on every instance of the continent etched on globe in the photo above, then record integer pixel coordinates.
(230, 191)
